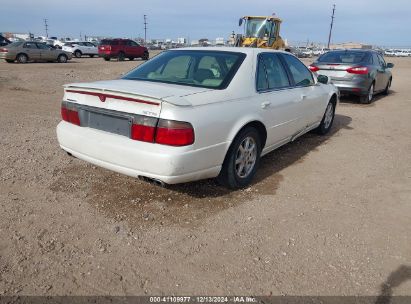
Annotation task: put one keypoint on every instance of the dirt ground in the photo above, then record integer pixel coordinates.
(325, 215)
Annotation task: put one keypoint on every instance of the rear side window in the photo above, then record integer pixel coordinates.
(301, 74)
(109, 42)
(271, 73)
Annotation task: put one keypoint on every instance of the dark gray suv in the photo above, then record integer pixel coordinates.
(360, 72)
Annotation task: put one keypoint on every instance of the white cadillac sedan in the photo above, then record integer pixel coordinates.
(196, 113)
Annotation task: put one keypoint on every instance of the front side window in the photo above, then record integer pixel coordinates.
(42, 46)
(208, 69)
(271, 73)
(301, 74)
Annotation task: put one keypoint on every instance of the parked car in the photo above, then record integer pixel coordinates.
(389, 53)
(360, 72)
(298, 53)
(400, 53)
(4, 41)
(80, 48)
(121, 49)
(195, 113)
(307, 52)
(25, 51)
(54, 42)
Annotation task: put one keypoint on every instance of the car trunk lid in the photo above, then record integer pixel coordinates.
(336, 71)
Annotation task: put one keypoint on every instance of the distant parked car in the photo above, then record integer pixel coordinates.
(389, 53)
(196, 113)
(25, 51)
(307, 52)
(80, 48)
(298, 53)
(4, 41)
(400, 53)
(121, 49)
(361, 72)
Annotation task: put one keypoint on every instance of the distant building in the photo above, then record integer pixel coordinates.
(350, 45)
(181, 40)
(219, 41)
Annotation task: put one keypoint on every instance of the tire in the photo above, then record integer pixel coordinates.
(22, 58)
(242, 159)
(62, 58)
(387, 89)
(9, 60)
(121, 56)
(78, 54)
(367, 99)
(146, 55)
(106, 58)
(328, 118)
(91, 56)
(131, 58)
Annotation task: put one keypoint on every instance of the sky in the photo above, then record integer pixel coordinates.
(377, 22)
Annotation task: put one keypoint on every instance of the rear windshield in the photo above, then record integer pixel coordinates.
(109, 42)
(207, 69)
(348, 57)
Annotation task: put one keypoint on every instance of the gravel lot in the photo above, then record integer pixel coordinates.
(325, 216)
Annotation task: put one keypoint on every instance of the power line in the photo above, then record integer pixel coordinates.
(331, 26)
(47, 27)
(145, 28)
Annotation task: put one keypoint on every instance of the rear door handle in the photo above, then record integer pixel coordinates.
(265, 104)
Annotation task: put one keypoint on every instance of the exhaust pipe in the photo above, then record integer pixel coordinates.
(152, 181)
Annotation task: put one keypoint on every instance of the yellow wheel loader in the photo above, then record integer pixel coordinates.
(261, 32)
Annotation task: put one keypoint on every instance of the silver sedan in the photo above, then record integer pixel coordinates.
(360, 72)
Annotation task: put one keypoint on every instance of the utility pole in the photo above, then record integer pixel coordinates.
(47, 27)
(331, 27)
(145, 29)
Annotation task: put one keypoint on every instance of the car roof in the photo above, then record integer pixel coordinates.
(244, 50)
(354, 50)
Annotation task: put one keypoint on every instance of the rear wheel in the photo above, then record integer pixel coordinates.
(121, 56)
(387, 89)
(22, 58)
(131, 58)
(62, 58)
(242, 159)
(91, 55)
(366, 99)
(106, 58)
(328, 119)
(78, 54)
(146, 55)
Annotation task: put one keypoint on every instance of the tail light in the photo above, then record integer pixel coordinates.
(162, 131)
(143, 128)
(4, 50)
(69, 114)
(174, 133)
(313, 68)
(358, 70)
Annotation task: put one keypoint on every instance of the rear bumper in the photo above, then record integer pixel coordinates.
(357, 86)
(171, 165)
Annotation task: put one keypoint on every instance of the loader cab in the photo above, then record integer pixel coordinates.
(261, 30)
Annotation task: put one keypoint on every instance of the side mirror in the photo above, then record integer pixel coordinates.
(323, 79)
(390, 65)
(240, 22)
